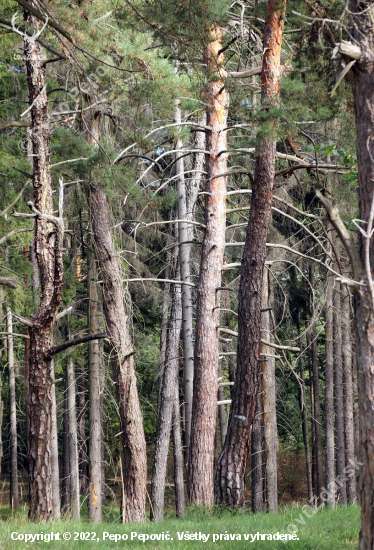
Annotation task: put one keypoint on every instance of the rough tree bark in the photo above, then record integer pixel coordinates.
(73, 442)
(206, 353)
(122, 359)
(232, 463)
(187, 306)
(168, 381)
(14, 498)
(96, 470)
(94, 379)
(362, 80)
(313, 345)
(339, 395)
(329, 391)
(348, 394)
(304, 418)
(180, 498)
(81, 425)
(257, 459)
(48, 237)
(54, 451)
(65, 482)
(267, 364)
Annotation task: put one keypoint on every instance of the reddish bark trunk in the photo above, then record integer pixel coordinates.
(206, 356)
(232, 464)
(48, 250)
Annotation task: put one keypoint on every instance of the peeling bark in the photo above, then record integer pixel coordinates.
(206, 354)
(48, 236)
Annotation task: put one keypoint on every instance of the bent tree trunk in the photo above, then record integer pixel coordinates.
(206, 356)
(48, 235)
(122, 359)
(232, 463)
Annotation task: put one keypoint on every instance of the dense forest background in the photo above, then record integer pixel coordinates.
(133, 136)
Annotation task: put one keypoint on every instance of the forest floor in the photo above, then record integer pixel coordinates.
(325, 530)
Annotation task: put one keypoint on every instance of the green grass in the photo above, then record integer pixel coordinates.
(326, 530)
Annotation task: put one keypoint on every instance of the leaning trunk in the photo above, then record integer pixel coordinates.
(232, 464)
(122, 359)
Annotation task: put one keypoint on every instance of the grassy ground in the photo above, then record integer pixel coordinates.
(326, 530)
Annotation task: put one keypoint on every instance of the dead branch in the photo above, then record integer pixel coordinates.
(9, 282)
(74, 342)
(343, 234)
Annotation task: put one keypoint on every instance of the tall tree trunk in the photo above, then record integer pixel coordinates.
(206, 356)
(232, 464)
(329, 392)
(304, 420)
(102, 439)
(14, 498)
(187, 306)
(122, 359)
(95, 408)
(48, 237)
(180, 499)
(73, 443)
(81, 424)
(348, 394)
(269, 404)
(65, 486)
(257, 455)
(339, 396)
(362, 80)
(312, 420)
(54, 451)
(169, 382)
(222, 412)
(316, 393)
